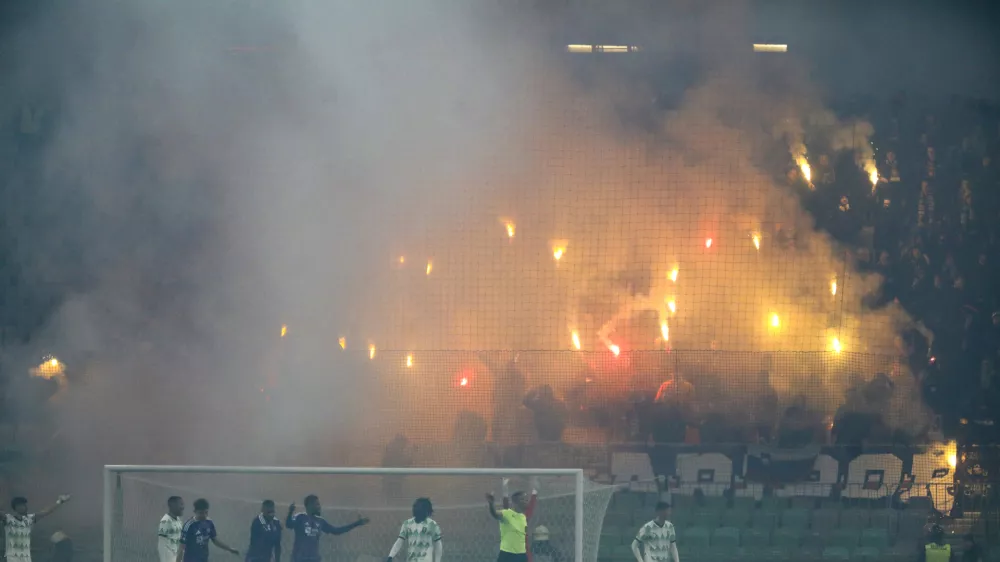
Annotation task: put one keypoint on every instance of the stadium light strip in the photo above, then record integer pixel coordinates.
(769, 48)
(602, 48)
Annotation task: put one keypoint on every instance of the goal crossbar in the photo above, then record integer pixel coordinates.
(111, 472)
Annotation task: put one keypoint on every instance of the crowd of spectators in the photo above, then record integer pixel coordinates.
(930, 227)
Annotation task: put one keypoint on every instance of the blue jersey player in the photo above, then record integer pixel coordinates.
(197, 533)
(265, 535)
(309, 526)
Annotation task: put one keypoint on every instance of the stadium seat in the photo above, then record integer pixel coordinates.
(744, 503)
(605, 551)
(627, 502)
(786, 538)
(764, 519)
(618, 519)
(755, 537)
(875, 538)
(728, 537)
(696, 537)
(623, 553)
(766, 554)
(649, 500)
(857, 518)
(795, 518)
(825, 519)
(705, 518)
(735, 517)
(867, 554)
(846, 538)
(887, 519)
(804, 502)
(836, 553)
(911, 523)
(723, 554)
(611, 536)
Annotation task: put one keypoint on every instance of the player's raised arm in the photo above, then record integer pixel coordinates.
(332, 530)
(290, 518)
(490, 500)
(48, 510)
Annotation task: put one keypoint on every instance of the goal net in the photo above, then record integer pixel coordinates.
(569, 506)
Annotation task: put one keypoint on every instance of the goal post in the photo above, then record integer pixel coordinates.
(569, 505)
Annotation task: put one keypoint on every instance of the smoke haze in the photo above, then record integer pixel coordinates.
(210, 196)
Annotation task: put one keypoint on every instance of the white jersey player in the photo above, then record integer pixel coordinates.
(18, 525)
(169, 532)
(656, 541)
(420, 534)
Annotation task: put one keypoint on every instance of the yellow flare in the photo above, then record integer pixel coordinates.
(673, 274)
(805, 167)
(833, 287)
(53, 362)
(708, 242)
(873, 176)
(952, 452)
(402, 260)
(511, 228)
(756, 240)
(558, 249)
(342, 342)
(775, 321)
(672, 305)
(284, 330)
(835, 345)
(576, 340)
(664, 331)
(371, 351)
(430, 266)
(409, 360)
(615, 349)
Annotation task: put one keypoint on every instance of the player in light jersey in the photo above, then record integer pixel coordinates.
(420, 534)
(169, 532)
(17, 527)
(657, 540)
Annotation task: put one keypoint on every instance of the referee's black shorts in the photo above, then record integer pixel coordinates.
(511, 557)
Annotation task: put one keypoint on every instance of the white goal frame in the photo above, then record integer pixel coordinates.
(113, 473)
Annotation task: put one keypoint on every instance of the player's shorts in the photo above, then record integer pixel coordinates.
(511, 557)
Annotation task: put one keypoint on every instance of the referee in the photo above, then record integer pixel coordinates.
(513, 527)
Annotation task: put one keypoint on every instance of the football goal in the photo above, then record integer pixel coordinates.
(568, 505)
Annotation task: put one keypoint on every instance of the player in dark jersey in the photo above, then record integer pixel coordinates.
(197, 533)
(309, 526)
(265, 535)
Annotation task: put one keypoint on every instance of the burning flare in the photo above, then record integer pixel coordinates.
(775, 321)
(673, 274)
(576, 340)
(371, 351)
(510, 227)
(756, 240)
(409, 360)
(284, 330)
(615, 349)
(558, 249)
(664, 331)
(806, 168)
(430, 266)
(402, 260)
(833, 287)
(342, 342)
(872, 174)
(835, 345)
(708, 242)
(672, 305)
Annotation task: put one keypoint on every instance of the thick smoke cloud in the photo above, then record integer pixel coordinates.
(217, 196)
